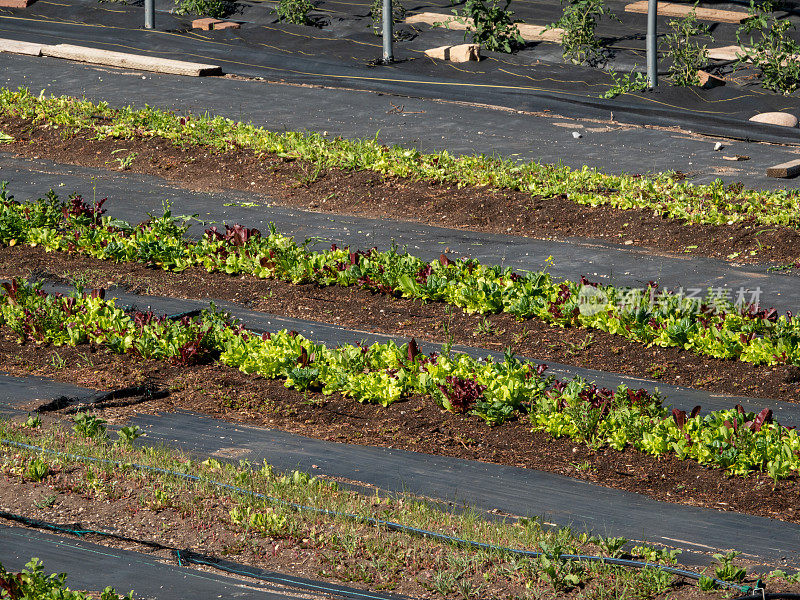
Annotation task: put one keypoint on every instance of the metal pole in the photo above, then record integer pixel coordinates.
(149, 14)
(652, 51)
(388, 56)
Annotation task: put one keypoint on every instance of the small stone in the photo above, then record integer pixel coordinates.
(465, 53)
(775, 118)
(718, 146)
(576, 135)
(460, 53)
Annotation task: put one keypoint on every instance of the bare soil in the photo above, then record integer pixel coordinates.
(298, 184)
(76, 496)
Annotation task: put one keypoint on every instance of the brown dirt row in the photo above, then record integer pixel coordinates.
(295, 183)
(360, 309)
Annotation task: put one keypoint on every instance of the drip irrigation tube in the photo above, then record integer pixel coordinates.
(773, 596)
(186, 556)
(390, 525)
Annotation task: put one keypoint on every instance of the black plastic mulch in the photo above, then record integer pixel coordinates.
(339, 56)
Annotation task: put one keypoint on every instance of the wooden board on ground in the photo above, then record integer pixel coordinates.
(734, 52)
(787, 169)
(17, 47)
(726, 52)
(99, 56)
(529, 32)
(671, 9)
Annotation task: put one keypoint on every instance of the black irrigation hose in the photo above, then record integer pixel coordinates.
(238, 569)
(189, 557)
(112, 399)
(394, 526)
(77, 529)
(772, 596)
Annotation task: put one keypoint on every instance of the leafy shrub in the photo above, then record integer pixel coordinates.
(376, 12)
(491, 25)
(772, 51)
(205, 8)
(294, 11)
(579, 44)
(687, 54)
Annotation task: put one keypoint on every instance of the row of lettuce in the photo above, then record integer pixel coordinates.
(715, 327)
(735, 440)
(662, 194)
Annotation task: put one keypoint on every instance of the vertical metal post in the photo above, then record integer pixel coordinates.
(652, 47)
(149, 14)
(388, 55)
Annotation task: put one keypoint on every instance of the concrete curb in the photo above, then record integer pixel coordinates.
(98, 56)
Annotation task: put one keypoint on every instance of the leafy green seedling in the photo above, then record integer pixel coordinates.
(37, 469)
(33, 421)
(611, 546)
(127, 435)
(89, 426)
(706, 583)
(727, 571)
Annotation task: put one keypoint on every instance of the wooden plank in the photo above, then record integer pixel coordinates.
(734, 52)
(16, 3)
(17, 47)
(671, 9)
(130, 61)
(528, 31)
(784, 170)
(726, 52)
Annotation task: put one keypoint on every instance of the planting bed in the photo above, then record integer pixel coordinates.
(435, 322)
(416, 424)
(296, 182)
(170, 512)
(193, 369)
